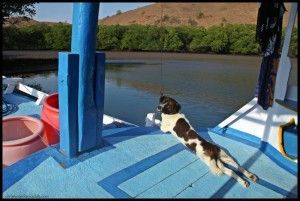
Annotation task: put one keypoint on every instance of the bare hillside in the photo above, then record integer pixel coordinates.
(196, 14)
(176, 14)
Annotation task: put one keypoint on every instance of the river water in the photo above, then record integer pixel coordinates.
(208, 89)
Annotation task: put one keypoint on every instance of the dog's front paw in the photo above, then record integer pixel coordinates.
(253, 177)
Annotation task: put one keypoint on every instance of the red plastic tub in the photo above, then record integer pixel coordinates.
(50, 118)
(21, 137)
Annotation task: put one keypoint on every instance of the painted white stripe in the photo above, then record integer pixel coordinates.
(33, 92)
(238, 114)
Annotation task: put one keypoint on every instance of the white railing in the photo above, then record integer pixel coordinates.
(33, 92)
(15, 83)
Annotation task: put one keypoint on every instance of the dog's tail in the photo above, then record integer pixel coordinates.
(216, 167)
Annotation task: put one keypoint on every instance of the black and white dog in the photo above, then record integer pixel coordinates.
(176, 123)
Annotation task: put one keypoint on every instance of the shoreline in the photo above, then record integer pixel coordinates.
(118, 55)
(28, 61)
(15, 62)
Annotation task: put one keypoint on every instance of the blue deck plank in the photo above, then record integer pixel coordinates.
(157, 173)
(211, 184)
(73, 182)
(127, 150)
(176, 183)
(112, 131)
(111, 183)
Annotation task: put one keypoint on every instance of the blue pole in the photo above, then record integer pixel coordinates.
(84, 28)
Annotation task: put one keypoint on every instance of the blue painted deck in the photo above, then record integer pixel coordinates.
(143, 162)
(22, 105)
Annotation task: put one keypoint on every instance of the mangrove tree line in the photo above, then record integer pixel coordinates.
(222, 39)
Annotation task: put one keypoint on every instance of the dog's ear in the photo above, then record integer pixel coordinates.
(178, 106)
(161, 97)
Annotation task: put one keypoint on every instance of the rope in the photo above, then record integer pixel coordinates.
(161, 51)
(8, 108)
(5, 108)
(161, 59)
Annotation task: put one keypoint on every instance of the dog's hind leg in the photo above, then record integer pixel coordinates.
(231, 173)
(227, 159)
(214, 168)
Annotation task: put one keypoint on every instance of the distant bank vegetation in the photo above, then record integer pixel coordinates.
(223, 39)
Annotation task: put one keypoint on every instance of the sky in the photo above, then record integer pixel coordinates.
(62, 12)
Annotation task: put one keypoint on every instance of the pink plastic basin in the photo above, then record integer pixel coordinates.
(20, 138)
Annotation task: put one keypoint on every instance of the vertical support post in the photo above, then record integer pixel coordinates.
(67, 90)
(85, 18)
(285, 63)
(99, 90)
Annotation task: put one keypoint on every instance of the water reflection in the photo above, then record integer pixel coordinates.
(208, 91)
(45, 81)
